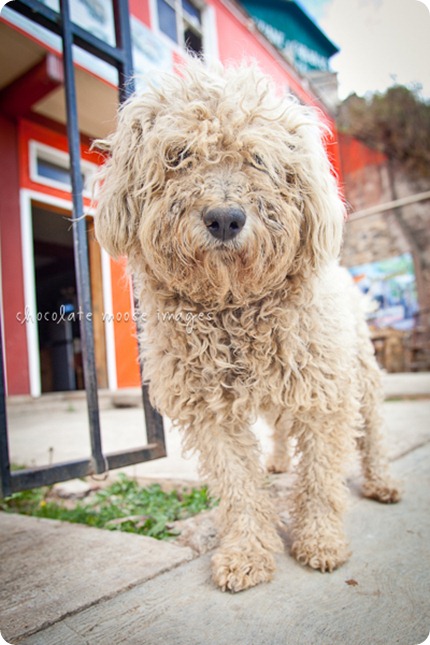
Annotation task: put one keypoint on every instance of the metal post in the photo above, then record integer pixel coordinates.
(80, 242)
(123, 41)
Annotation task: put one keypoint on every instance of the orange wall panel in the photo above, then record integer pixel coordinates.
(126, 352)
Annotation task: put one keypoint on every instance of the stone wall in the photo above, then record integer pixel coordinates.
(370, 181)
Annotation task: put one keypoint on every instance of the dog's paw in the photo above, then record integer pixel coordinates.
(323, 554)
(238, 570)
(382, 490)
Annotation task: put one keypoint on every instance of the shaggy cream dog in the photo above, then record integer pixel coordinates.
(220, 194)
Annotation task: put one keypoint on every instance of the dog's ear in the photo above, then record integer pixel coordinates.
(323, 210)
(122, 181)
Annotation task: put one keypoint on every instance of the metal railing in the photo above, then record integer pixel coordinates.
(120, 57)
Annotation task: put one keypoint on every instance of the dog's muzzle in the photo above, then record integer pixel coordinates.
(224, 222)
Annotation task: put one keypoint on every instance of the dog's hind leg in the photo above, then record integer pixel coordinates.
(230, 461)
(281, 422)
(377, 482)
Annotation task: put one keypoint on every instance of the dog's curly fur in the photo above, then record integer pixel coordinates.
(276, 326)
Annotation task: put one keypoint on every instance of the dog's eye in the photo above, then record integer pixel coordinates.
(257, 162)
(175, 158)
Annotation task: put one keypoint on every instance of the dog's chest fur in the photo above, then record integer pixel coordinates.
(252, 355)
(282, 351)
(269, 348)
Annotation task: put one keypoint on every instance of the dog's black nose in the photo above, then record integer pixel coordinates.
(225, 222)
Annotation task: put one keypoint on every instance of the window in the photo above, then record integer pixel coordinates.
(50, 170)
(181, 21)
(51, 167)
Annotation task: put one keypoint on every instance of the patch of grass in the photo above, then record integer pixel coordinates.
(408, 397)
(121, 506)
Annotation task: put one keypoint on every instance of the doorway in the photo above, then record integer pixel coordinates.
(60, 348)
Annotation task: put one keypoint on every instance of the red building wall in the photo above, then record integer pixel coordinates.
(237, 40)
(17, 370)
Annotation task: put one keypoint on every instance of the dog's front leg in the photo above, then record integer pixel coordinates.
(324, 442)
(230, 461)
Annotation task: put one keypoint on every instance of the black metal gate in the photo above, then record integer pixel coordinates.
(120, 57)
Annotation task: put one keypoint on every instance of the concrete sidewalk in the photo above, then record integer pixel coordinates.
(66, 584)
(55, 428)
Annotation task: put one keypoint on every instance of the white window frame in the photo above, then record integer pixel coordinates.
(61, 159)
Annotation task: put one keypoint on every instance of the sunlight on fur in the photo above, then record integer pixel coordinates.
(219, 192)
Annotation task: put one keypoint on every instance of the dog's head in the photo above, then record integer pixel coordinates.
(217, 189)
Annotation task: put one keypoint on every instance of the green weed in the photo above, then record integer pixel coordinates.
(123, 506)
